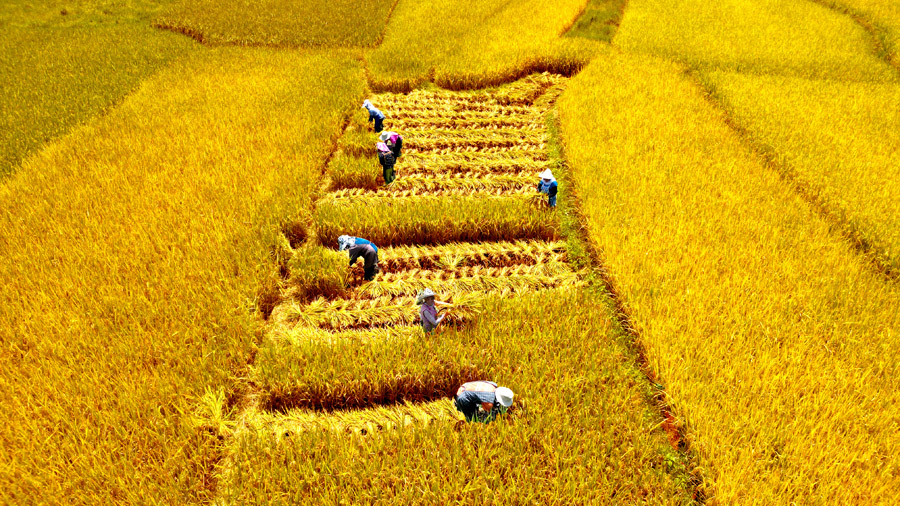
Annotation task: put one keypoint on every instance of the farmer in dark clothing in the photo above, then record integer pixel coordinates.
(387, 161)
(548, 185)
(357, 247)
(481, 401)
(374, 115)
(394, 141)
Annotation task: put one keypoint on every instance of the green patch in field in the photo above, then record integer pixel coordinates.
(282, 23)
(57, 77)
(599, 21)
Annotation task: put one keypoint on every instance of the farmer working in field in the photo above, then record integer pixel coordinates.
(548, 185)
(481, 401)
(357, 247)
(374, 115)
(387, 161)
(393, 141)
(428, 312)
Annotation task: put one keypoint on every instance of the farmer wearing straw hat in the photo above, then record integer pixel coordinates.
(374, 115)
(548, 185)
(482, 401)
(357, 247)
(387, 161)
(393, 141)
(428, 311)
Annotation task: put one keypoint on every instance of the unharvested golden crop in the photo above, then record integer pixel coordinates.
(794, 37)
(132, 249)
(839, 141)
(282, 23)
(475, 44)
(775, 339)
(55, 78)
(882, 15)
(578, 434)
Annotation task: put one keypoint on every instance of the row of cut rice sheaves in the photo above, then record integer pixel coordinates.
(521, 186)
(486, 254)
(430, 140)
(473, 162)
(390, 310)
(360, 422)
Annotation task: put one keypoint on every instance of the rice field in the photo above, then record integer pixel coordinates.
(709, 316)
(353, 367)
(773, 334)
(279, 23)
(838, 141)
(795, 38)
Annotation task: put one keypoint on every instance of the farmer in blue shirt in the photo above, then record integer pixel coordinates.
(374, 114)
(548, 185)
(481, 401)
(358, 247)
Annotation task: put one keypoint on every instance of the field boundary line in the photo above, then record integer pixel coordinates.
(387, 22)
(875, 30)
(872, 253)
(576, 226)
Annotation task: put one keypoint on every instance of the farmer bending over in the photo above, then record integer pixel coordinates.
(357, 247)
(394, 141)
(481, 401)
(374, 115)
(548, 185)
(428, 313)
(387, 161)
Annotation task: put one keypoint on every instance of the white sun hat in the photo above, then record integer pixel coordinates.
(546, 174)
(420, 297)
(344, 242)
(505, 396)
(385, 136)
(366, 103)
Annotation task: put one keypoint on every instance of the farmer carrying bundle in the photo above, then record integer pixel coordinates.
(548, 185)
(358, 247)
(482, 401)
(374, 115)
(387, 161)
(394, 141)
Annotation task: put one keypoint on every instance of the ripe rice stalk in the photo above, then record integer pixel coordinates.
(358, 422)
(298, 335)
(379, 312)
(435, 220)
(467, 115)
(489, 254)
(353, 196)
(448, 267)
(430, 186)
(436, 165)
(441, 123)
(450, 107)
(475, 136)
(346, 171)
(475, 157)
(528, 148)
(502, 284)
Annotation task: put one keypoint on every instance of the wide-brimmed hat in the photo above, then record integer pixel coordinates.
(383, 147)
(504, 396)
(547, 174)
(421, 296)
(366, 104)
